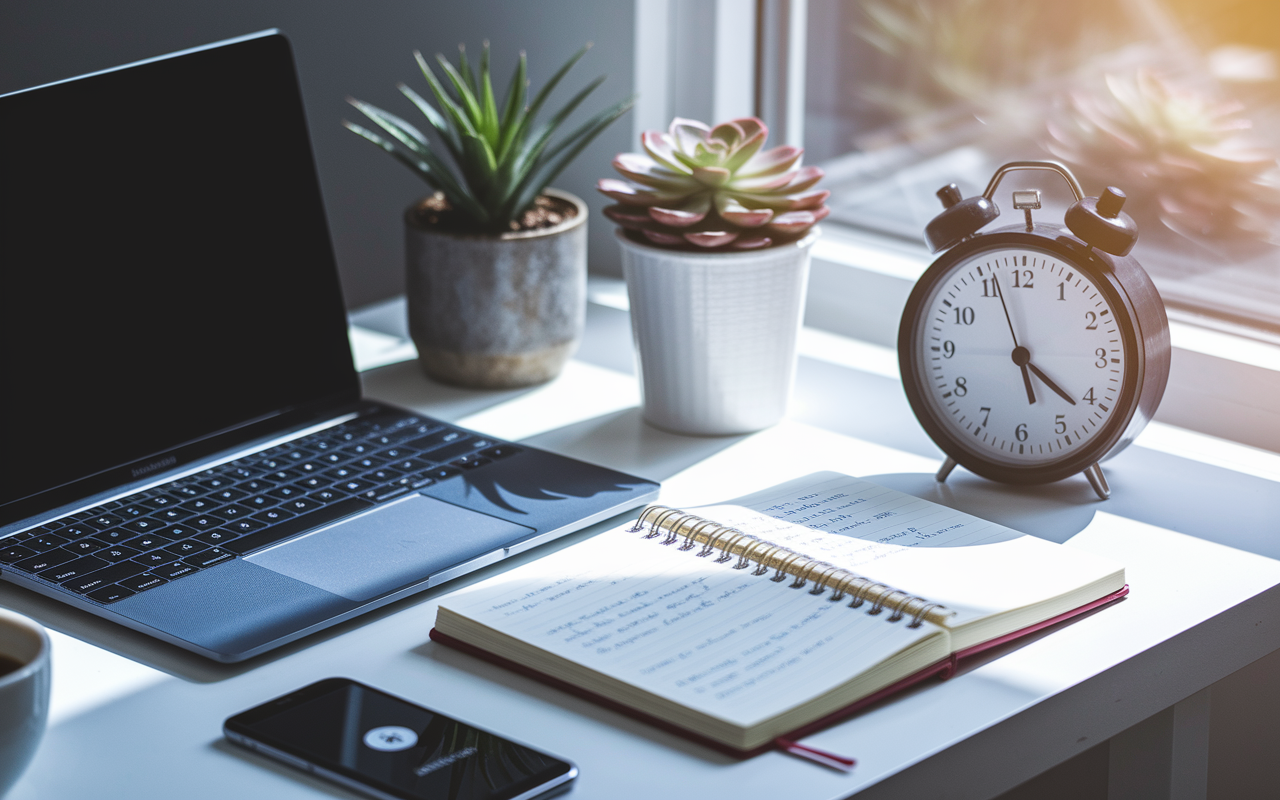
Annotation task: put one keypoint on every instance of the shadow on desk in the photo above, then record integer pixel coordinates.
(1055, 511)
(622, 440)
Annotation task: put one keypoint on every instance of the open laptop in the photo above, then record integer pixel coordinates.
(185, 449)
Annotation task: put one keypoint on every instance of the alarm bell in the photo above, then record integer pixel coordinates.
(1098, 221)
(960, 219)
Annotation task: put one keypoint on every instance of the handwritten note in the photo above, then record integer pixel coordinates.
(731, 644)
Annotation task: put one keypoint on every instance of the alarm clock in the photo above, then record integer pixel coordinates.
(1035, 351)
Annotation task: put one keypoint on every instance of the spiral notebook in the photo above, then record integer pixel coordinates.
(750, 624)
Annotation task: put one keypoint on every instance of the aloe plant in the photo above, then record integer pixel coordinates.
(697, 187)
(501, 160)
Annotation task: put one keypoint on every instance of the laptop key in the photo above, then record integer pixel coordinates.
(110, 594)
(43, 561)
(46, 541)
(155, 558)
(116, 553)
(215, 537)
(143, 525)
(236, 527)
(77, 530)
(233, 511)
(272, 516)
(141, 583)
(114, 535)
(186, 547)
(95, 580)
(500, 451)
(84, 546)
(15, 552)
(206, 521)
(73, 569)
(470, 461)
(208, 558)
(177, 569)
(279, 532)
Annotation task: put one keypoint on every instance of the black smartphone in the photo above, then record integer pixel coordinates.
(387, 747)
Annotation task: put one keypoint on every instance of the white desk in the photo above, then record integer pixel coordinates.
(138, 719)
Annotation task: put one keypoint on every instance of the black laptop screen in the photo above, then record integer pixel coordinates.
(165, 265)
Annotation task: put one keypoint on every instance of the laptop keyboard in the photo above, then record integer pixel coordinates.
(168, 532)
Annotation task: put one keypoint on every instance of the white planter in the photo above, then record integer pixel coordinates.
(715, 333)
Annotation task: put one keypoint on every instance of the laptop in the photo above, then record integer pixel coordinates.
(186, 451)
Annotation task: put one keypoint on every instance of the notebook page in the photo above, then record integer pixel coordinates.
(974, 567)
(728, 643)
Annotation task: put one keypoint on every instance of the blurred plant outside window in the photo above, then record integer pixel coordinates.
(1176, 102)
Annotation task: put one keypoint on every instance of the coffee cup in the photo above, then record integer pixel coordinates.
(24, 693)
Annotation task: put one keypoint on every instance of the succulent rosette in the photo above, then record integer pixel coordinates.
(701, 188)
(1188, 151)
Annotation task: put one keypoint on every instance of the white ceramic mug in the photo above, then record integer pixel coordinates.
(24, 693)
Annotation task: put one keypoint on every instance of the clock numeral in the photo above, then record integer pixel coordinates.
(948, 349)
(964, 316)
(961, 387)
(1020, 432)
(1062, 291)
(1027, 284)
(1093, 321)
(986, 415)
(1101, 353)
(1060, 424)
(1088, 396)
(987, 290)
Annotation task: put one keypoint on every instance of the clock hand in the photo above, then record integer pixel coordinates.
(1007, 318)
(1050, 383)
(1022, 357)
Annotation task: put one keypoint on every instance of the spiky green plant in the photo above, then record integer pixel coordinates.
(501, 160)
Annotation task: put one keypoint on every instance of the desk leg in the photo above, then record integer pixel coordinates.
(1165, 757)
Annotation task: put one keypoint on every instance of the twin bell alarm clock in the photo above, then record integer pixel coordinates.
(1033, 351)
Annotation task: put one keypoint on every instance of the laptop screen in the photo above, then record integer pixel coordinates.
(166, 272)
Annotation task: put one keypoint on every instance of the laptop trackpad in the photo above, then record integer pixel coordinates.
(389, 547)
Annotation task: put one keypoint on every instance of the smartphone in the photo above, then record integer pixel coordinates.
(387, 747)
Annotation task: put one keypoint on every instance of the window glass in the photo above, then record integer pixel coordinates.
(1174, 101)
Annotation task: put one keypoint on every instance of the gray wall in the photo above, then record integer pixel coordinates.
(357, 49)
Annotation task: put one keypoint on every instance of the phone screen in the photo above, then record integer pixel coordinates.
(360, 735)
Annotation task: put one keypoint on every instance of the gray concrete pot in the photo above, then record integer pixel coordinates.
(497, 312)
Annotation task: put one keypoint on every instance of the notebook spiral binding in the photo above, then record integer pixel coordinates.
(750, 549)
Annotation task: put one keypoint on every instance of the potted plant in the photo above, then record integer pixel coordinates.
(715, 234)
(496, 261)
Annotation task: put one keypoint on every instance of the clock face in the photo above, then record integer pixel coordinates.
(1019, 358)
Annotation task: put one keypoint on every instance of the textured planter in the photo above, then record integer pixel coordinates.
(715, 333)
(497, 312)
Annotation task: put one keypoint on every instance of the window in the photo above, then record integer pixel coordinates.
(1175, 101)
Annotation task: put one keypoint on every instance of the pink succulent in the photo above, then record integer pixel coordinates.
(698, 188)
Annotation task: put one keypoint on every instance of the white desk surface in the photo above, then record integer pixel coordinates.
(138, 719)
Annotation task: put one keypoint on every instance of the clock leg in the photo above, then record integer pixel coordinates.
(945, 469)
(1098, 481)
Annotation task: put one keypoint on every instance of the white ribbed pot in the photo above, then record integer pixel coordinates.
(497, 312)
(715, 333)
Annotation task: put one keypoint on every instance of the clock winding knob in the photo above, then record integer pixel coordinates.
(1100, 223)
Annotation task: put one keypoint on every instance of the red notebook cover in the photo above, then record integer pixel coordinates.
(788, 742)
